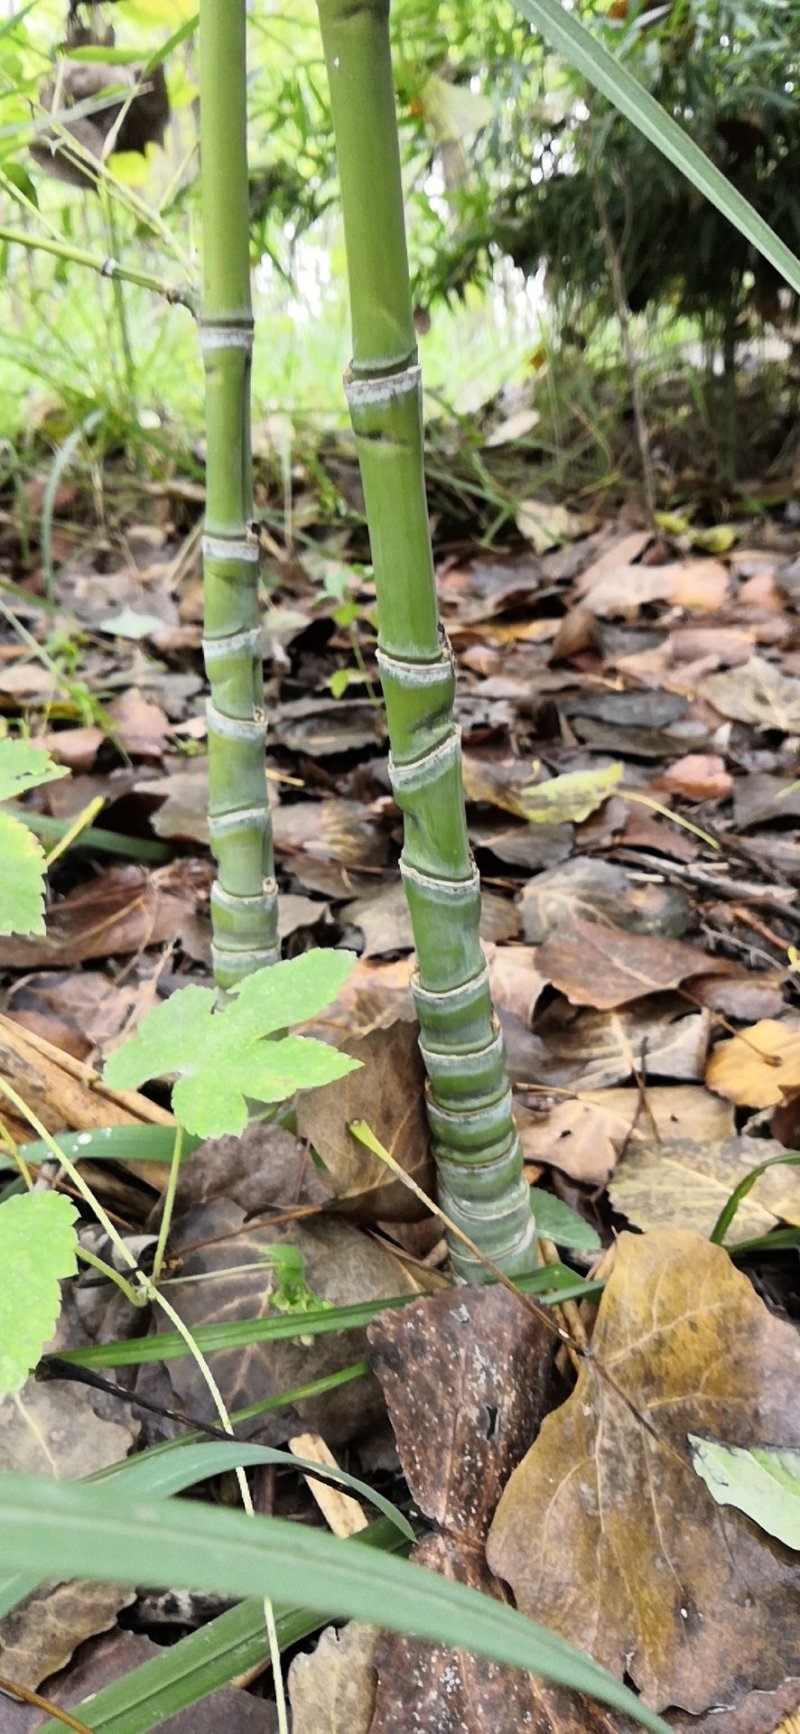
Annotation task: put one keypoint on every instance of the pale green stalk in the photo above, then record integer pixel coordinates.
(244, 899)
(469, 1100)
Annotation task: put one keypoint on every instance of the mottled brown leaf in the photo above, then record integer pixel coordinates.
(341, 1265)
(606, 967)
(439, 1691)
(389, 1093)
(756, 693)
(44, 1632)
(465, 1376)
(607, 1536)
(589, 890)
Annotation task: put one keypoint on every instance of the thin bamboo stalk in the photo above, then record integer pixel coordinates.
(469, 1100)
(244, 898)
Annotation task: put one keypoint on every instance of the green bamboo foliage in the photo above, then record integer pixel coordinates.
(244, 899)
(469, 1101)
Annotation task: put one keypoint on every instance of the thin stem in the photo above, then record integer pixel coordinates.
(137, 1297)
(169, 1203)
(172, 292)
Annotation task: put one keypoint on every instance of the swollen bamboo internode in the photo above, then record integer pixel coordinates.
(469, 1101)
(244, 899)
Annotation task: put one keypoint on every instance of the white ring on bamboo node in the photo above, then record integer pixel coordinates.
(218, 649)
(109, 268)
(451, 998)
(455, 889)
(428, 765)
(225, 337)
(369, 393)
(241, 819)
(230, 548)
(236, 728)
(415, 673)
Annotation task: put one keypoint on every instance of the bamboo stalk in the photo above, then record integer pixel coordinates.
(244, 899)
(469, 1100)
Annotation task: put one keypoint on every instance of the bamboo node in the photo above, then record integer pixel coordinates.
(374, 393)
(230, 548)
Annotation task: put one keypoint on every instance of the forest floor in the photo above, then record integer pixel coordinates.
(630, 712)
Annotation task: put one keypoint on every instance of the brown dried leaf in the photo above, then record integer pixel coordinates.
(758, 1068)
(124, 909)
(605, 967)
(141, 725)
(682, 1183)
(590, 890)
(389, 1093)
(756, 693)
(341, 1265)
(479, 1362)
(332, 1688)
(606, 1535)
(584, 1137)
(43, 1633)
(698, 777)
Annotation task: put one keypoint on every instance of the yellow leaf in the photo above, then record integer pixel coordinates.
(758, 1068)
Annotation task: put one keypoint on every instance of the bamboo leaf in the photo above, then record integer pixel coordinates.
(65, 1530)
(220, 1052)
(570, 38)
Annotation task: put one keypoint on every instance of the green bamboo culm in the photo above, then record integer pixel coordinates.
(469, 1101)
(244, 899)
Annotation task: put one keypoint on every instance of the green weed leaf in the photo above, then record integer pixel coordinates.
(23, 766)
(22, 859)
(221, 1053)
(764, 1483)
(37, 1248)
(556, 1221)
(22, 871)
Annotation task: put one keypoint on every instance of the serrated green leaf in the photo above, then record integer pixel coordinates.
(556, 1221)
(571, 797)
(22, 872)
(223, 1054)
(61, 1529)
(23, 766)
(37, 1249)
(763, 1482)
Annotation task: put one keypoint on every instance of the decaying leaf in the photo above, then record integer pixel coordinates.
(606, 967)
(388, 1091)
(759, 1067)
(478, 1361)
(332, 1688)
(605, 1533)
(757, 693)
(685, 1183)
(465, 1377)
(341, 1264)
(589, 890)
(584, 1136)
(41, 1635)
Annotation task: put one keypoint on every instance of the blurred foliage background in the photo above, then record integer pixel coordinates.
(553, 251)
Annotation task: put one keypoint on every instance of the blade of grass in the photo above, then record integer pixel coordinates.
(66, 1530)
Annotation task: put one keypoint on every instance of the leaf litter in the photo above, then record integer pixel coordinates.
(641, 959)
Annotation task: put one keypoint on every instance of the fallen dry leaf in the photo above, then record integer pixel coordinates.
(332, 1688)
(342, 1265)
(756, 693)
(758, 1068)
(591, 890)
(389, 1093)
(140, 725)
(465, 1375)
(606, 1535)
(583, 1137)
(122, 910)
(698, 777)
(43, 1633)
(606, 967)
(683, 1183)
